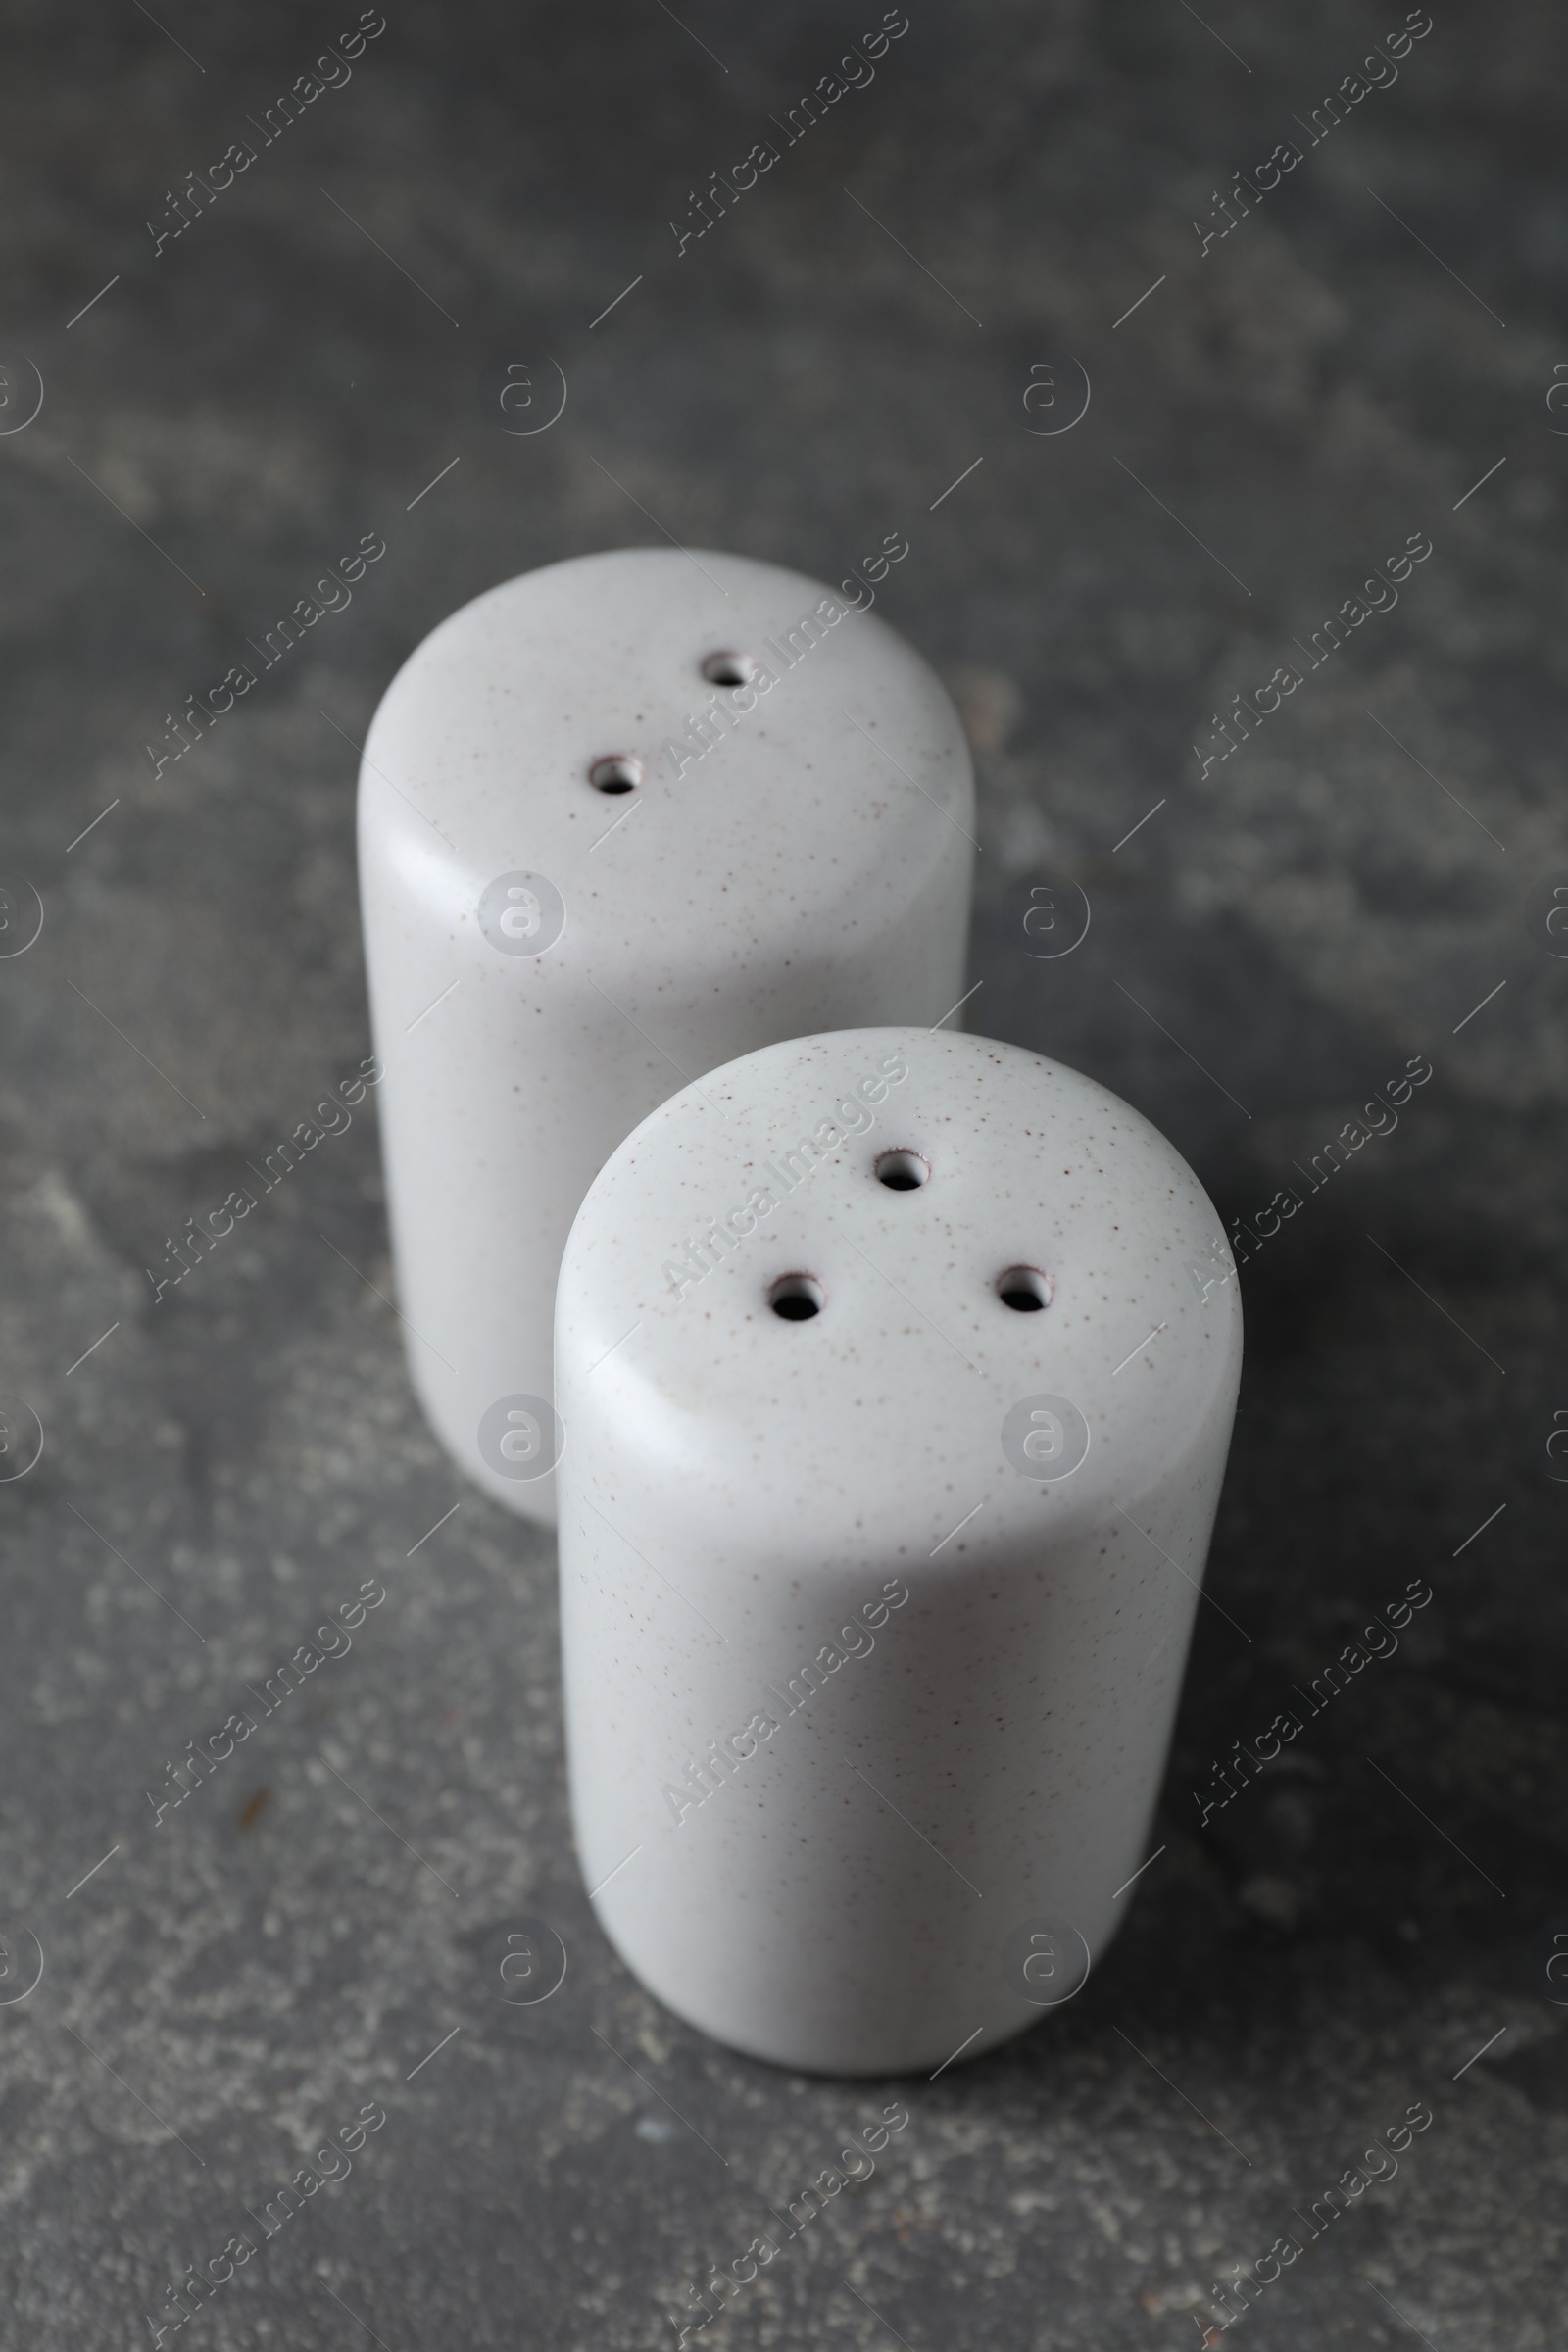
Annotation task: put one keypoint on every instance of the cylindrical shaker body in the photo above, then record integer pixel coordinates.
(591, 870)
(874, 1617)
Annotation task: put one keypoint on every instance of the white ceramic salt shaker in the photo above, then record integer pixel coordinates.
(620, 820)
(896, 1406)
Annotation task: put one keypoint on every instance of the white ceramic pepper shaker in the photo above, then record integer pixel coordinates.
(882, 1535)
(620, 820)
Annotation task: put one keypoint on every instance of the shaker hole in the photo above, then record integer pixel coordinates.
(618, 774)
(1024, 1288)
(903, 1171)
(729, 669)
(797, 1297)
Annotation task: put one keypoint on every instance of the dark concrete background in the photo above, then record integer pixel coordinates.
(1288, 929)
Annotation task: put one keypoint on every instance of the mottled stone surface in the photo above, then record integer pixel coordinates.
(1279, 938)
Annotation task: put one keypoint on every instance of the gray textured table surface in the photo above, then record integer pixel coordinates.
(1280, 409)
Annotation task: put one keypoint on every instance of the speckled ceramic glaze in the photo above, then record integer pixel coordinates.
(981, 1528)
(549, 960)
